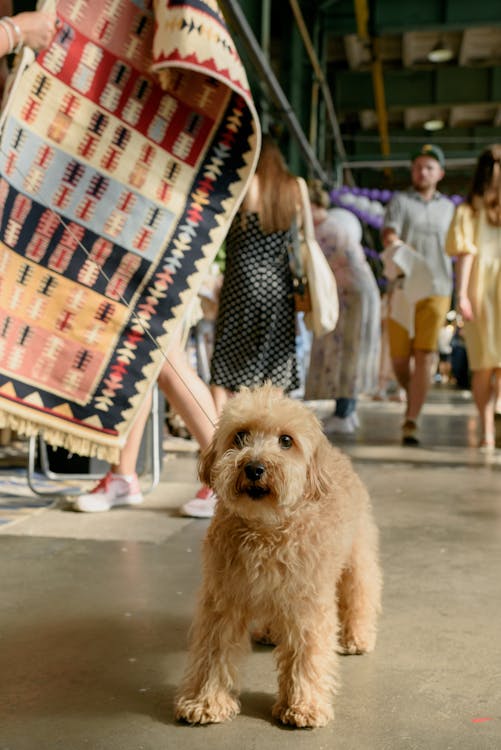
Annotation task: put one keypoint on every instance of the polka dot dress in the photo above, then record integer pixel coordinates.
(255, 330)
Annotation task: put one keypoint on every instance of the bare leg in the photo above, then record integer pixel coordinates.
(220, 396)
(402, 370)
(130, 451)
(188, 395)
(385, 373)
(482, 389)
(419, 383)
(497, 390)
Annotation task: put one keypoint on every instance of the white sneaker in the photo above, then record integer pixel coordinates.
(340, 425)
(354, 419)
(113, 490)
(201, 506)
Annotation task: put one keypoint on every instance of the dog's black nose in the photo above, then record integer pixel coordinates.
(254, 471)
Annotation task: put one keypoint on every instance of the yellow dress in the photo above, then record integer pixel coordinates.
(470, 232)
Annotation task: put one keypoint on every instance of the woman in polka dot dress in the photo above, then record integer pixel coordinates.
(255, 330)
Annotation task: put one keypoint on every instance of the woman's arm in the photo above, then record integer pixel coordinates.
(463, 271)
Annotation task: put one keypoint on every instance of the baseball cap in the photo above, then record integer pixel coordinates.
(429, 149)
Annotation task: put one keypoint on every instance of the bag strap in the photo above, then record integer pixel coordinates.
(308, 231)
(295, 254)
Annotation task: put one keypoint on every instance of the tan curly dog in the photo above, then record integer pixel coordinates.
(290, 555)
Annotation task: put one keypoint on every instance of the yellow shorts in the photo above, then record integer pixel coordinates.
(428, 320)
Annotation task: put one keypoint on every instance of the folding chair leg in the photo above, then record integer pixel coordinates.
(38, 446)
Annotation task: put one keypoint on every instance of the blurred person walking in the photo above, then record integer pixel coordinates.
(255, 337)
(344, 363)
(415, 227)
(475, 238)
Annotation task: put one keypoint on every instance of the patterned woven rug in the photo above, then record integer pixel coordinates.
(126, 148)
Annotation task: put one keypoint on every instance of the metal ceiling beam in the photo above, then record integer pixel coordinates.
(380, 100)
(362, 18)
(460, 150)
(451, 86)
(329, 104)
(236, 19)
(450, 163)
(390, 17)
(362, 15)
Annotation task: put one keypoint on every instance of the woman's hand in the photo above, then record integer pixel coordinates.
(37, 28)
(464, 307)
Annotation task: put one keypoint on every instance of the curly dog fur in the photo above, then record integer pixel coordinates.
(292, 553)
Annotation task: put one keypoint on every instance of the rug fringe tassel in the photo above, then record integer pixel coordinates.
(58, 439)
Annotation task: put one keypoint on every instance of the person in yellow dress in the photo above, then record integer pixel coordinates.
(475, 238)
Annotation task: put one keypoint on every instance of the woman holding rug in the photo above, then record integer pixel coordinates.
(34, 30)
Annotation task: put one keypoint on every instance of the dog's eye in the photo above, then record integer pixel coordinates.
(241, 438)
(285, 442)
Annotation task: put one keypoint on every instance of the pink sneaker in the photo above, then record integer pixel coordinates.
(113, 490)
(202, 505)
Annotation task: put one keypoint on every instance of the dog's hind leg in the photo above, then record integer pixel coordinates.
(359, 594)
(208, 691)
(307, 670)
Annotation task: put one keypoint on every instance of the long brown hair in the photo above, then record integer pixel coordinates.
(486, 187)
(278, 190)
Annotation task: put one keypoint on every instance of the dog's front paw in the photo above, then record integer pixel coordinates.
(303, 714)
(351, 644)
(207, 710)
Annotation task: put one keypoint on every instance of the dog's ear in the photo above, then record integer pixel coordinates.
(207, 458)
(317, 474)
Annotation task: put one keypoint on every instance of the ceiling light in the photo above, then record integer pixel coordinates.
(440, 53)
(434, 124)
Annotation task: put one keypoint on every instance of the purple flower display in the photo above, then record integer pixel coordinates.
(368, 204)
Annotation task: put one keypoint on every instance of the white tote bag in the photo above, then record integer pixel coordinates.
(321, 282)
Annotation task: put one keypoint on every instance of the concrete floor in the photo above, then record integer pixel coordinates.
(95, 610)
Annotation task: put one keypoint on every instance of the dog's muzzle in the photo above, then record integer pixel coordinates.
(254, 472)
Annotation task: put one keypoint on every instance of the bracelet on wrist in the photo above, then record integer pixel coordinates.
(14, 33)
(8, 32)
